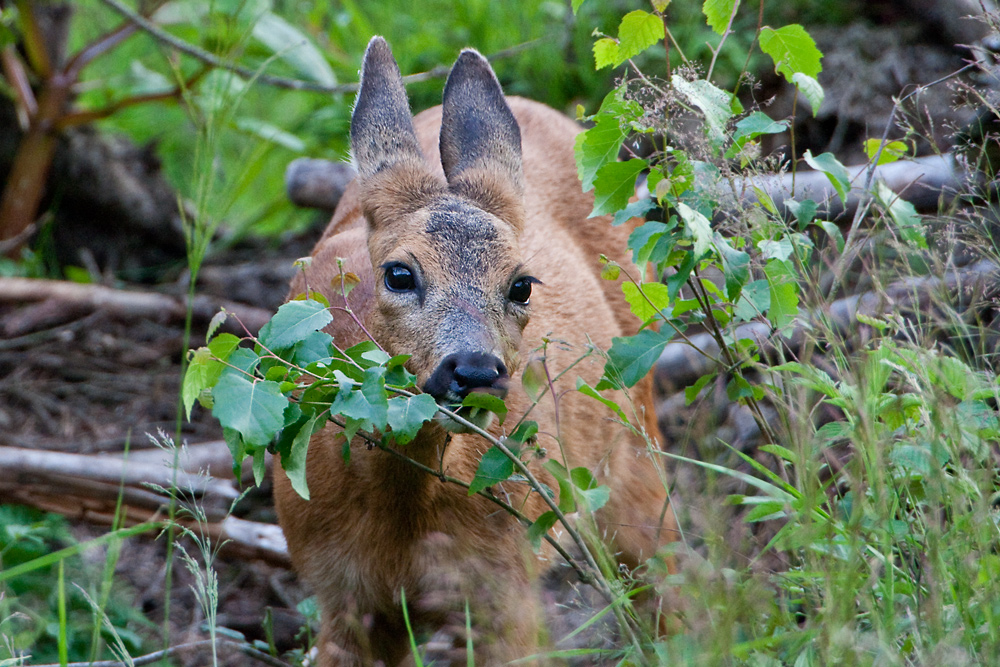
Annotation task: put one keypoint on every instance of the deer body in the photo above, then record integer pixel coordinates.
(445, 257)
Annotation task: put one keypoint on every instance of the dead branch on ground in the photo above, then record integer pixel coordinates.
(127, 304)
(89, 488)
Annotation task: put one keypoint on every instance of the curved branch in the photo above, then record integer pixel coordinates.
(158, 33)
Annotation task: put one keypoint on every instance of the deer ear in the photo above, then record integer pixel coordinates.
(382, 134)
(481, 140)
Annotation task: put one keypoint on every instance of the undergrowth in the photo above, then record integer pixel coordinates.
(861, 524)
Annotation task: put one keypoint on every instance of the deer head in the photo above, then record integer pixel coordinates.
(451, 287)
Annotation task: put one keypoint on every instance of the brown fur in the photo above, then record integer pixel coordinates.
(378, 525)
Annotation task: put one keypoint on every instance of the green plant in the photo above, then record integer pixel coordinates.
(888, 552)
(42, 614)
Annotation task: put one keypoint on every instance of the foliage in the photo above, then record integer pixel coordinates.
(32, 603)
(887, 556)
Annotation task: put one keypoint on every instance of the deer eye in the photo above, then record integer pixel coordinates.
(520, 291)
(399, 278)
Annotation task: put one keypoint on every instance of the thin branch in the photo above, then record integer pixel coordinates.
(95, 49)
(76, 118)
(155, 31)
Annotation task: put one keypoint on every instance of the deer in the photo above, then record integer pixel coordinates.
(469, 232)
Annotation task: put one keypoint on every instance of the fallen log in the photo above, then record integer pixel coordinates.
(680, 364)
(314, 183)
(77, 299)
(91, 488)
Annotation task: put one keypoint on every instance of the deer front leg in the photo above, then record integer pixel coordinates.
(491, 588)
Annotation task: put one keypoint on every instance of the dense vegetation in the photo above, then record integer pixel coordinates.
(875, 480)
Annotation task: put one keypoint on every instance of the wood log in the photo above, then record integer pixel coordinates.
(90, 488)
(313, 183)
(926, 182)
(680, 365)
(16, 461)
(127, 304)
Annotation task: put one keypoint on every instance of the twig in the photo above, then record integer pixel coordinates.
(156, 656)
(850, 245)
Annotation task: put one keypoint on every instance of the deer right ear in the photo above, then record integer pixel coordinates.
(382, 134)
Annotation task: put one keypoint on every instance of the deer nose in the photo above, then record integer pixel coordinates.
(461, 373)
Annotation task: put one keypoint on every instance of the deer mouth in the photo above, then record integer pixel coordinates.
(462, 374)
(481, 418)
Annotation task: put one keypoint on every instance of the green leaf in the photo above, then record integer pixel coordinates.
(691, 393)
(254, 408)
(784, 292)
(770, 509)
(356, 353)
(540, 527)
(891, 152)
(567, 503)
(223, 345)
(636, 209)
(592, 495)
(294, 464)
(713, 102)
(718, 13)
(526, 431)
(494, 467)
(804, 211)
(781, 249)
(735, 266)
(216, 322)
(406, 414)
(587, 390)
(827, 163)
(237, 448)
(533, 378)
(903, 214)
(639, 301)
(638, 31)
(293, 322)
(292, 46)
(833, 231)
(597, 147)
(368, 404)
(615, 185)
(605, 53)
(755, 299)
(792, 49)
(698, 227)
(202, 373)
(315, 347)
(484, 401)
(631, 358)
(810, 89)
(782, 452)
(643, 239)
(753, 126)
(259, 465)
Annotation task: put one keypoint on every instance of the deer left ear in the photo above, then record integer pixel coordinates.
(481, 140)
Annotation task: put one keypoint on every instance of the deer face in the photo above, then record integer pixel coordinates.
(451, 287)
